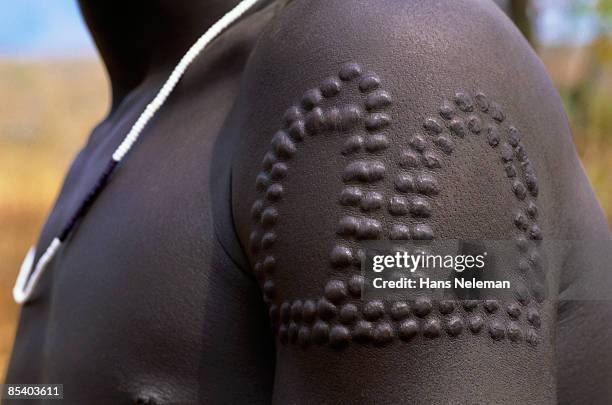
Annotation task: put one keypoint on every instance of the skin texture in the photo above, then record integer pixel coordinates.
(227, 199)
(159, 314)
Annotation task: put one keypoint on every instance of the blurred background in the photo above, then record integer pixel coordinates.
(55, 90)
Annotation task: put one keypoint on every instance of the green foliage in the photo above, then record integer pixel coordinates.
(519, 13)
(604, 8)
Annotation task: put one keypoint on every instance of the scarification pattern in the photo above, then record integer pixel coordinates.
(478, 114)
(339, 316)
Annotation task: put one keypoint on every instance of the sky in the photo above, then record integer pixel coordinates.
(43, 28)
(54, 28)
(565, 21)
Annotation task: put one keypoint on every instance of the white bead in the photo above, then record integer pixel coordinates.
(24, 286)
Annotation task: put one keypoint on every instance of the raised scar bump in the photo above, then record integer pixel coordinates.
(332, 320)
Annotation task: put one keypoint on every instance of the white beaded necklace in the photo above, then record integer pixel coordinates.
(27, 279)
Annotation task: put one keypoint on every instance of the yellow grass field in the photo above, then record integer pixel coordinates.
(48, 110)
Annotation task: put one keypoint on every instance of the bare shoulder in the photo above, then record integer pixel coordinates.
(395, 120)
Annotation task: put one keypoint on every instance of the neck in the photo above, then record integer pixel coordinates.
(140, 38)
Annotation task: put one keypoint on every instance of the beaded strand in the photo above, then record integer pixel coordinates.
(27, 280)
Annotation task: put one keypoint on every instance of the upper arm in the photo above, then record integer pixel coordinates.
(392, 119)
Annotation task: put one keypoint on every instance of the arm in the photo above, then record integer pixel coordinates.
(351, 108)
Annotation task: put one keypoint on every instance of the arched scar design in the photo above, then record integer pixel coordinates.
(338, 316)
(479, 116)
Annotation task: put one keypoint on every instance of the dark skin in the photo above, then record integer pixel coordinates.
(158, 294)
(146, 39)
(198, 272)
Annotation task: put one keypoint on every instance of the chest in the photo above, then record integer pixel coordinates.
(156, 204)
(129, 288)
